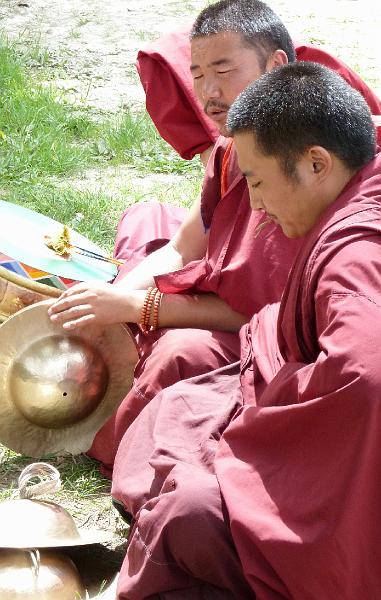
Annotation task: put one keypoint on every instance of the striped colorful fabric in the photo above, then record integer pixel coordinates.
(29, 272)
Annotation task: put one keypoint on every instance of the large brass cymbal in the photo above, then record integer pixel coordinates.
(34, 575)
(58, 388)
(35, 523)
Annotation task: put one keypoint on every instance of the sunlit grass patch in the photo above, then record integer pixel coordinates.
(40, 133)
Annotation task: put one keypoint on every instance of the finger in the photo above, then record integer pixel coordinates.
(73, 312)
(75, 289)
(71, 301)
(78, 323)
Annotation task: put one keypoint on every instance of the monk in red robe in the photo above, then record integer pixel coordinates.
(218, 272)
(283, 502)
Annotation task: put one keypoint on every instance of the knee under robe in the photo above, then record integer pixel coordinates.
(180, 544)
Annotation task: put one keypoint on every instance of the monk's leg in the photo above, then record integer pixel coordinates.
(167, 356)
(181, 424)
(180, 540)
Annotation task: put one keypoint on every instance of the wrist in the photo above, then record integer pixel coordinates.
(135, 302)
(149, 315)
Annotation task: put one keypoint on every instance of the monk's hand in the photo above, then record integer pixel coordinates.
(93, 302)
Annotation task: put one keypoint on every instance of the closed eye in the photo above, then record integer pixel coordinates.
(256, 185)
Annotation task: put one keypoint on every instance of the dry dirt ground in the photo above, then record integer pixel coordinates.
(93, 44)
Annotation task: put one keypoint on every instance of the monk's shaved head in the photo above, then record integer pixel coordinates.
(304, 104)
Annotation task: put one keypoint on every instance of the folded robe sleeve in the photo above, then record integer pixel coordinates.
(300, 472)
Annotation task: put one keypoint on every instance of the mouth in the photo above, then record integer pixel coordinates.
(217, 112)
(217, 115)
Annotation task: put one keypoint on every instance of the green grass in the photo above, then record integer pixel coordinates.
(133, 139)
(40, 134)
(43, 135)
(46, 143)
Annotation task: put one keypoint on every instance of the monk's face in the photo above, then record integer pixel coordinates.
(294, 203)
(222, 67)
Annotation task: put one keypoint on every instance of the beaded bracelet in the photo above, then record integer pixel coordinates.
(152, 298)
(146, 309)
(156, 306)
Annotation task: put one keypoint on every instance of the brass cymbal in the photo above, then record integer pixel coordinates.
(58, 388)
(34, 575)
(35, 523)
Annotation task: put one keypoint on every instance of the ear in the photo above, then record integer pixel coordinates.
(319, 162)
(277, 59)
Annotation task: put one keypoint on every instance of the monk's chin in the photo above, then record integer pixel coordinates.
(224, 131)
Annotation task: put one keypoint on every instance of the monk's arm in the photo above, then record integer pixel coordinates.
(104, 304)
(189, 243)
(202, 311)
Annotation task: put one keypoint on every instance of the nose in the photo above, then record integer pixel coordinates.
(255, 201)
(209, 89)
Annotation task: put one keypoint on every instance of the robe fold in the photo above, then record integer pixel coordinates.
(180, 538)
(299, 465)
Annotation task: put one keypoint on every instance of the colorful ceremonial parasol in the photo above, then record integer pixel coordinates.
(22, 238)
(30, 271)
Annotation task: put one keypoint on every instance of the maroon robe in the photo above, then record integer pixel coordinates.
(299, 467)
(163, 67)
(164, 477)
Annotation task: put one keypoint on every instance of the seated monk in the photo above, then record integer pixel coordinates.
(215, 273)
(264, 484)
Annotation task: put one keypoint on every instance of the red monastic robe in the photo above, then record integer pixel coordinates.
(245, 270)
(299, 467)
(163, 67)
